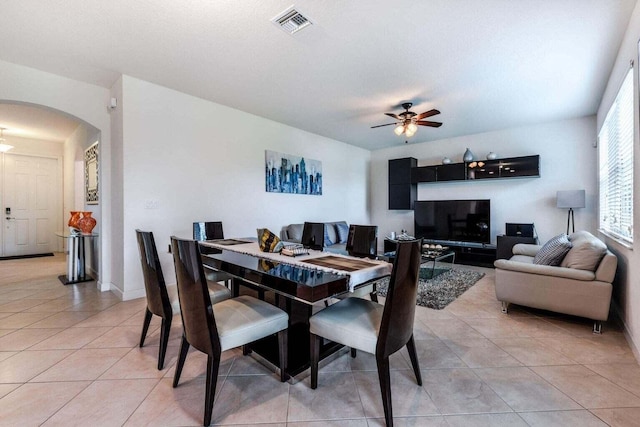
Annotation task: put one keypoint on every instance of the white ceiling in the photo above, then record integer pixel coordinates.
(485, 65)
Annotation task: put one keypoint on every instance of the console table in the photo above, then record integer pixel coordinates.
(76, 258)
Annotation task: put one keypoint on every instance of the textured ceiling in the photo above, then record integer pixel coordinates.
(485, 65)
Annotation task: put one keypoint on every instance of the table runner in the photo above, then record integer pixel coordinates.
(376, 269)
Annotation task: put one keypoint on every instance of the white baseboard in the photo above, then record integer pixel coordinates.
(627, 333)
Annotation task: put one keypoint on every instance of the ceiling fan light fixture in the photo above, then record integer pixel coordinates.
(412, 128)
(399, 130)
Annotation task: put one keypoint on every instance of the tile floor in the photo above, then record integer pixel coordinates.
(69, 356)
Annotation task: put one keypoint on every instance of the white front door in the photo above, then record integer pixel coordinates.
(30, 204)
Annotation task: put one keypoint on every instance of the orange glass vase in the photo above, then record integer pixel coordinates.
(75, 217)
(86, 223)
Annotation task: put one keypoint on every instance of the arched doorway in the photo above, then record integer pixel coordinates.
(44, 136)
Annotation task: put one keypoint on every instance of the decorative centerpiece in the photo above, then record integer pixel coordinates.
(468, 156)
(446, 160)
(86, 223)
(492, 156)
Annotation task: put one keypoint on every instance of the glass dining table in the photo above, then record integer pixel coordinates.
(301, 286)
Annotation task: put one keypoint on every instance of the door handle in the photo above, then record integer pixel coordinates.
(10, 217)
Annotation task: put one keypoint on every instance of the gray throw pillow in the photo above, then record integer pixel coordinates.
(553, 252)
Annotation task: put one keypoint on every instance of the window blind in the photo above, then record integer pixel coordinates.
(615, 153)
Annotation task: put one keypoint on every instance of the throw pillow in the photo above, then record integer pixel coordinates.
(268, 241)
(343, 231)
(585, 254)
(329, 235)
(553, 252)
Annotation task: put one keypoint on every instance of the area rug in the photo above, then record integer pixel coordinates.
(4, 258)
(438, 292)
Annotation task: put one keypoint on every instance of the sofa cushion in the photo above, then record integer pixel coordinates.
(294, 232)
(330, 235)
(342, 228)
(553, 251)
(586, 252)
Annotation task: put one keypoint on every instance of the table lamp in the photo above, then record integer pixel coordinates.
(571, 199)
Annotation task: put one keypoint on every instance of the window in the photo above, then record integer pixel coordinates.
(615, 154)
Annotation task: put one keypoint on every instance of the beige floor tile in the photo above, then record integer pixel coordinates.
(83, 364)
(367, 362)
(461, 391)
(485, 420)
(421, 331)
(196, 363)
(120, 336)
(432, 421)
(436, 354)
(335, 398)
(63, 319)
(596, 349)
(408, 398)
(524, 390)
(21, 305)
(619, 417)
(531, 352)
(330, 423)
(141, 363)
(71, 338)
(452, 328)
(6, 354)
(168, 406)
(625, 375)
(103, 403)
(52, 306)
(480, 353)
(501, 327)
(586, 387)
(251, 399)
(33, 404)
(27, 364)
(581, 418)
(22, 339)
(21, 320)
(6, 389)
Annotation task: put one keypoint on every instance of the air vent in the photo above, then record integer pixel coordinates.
(291, 20)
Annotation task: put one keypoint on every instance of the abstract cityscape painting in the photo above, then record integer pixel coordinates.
(286, 173)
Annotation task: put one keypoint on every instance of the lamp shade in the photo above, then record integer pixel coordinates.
(570, 199)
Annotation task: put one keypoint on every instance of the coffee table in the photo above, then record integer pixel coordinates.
(436, 258)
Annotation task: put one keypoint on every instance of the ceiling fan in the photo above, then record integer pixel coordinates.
(407, 122)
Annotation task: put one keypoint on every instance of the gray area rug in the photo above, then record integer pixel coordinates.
(438, 292)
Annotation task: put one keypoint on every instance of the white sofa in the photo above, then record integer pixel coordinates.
(581, 285)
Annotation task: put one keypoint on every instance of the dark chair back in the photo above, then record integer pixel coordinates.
(400, 305)
(158, 301)
(362, 241)
(207, 231)
(313, 235)
(195, 304)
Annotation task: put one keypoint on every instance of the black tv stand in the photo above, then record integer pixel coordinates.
(470, 253)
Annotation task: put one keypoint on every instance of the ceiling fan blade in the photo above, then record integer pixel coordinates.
(427, 114)
(379, 126)
(427, 123)
(395, 116)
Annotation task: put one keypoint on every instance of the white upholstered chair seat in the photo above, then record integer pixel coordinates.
(352, 321)
(246, 319)
(217, 293)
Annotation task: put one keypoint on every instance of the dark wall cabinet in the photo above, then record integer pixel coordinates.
(513, 167)
(402, 192)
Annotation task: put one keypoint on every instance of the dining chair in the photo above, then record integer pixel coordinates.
(214, 328)
(313, 235)
(374, 328)
(162, 300)
(210, 230)
(362, 241)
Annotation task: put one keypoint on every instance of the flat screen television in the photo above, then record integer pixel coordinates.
(453, 220)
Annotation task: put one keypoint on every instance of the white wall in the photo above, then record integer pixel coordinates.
(567, 162)
(626, 289)
(80, 100)
(202, 161)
